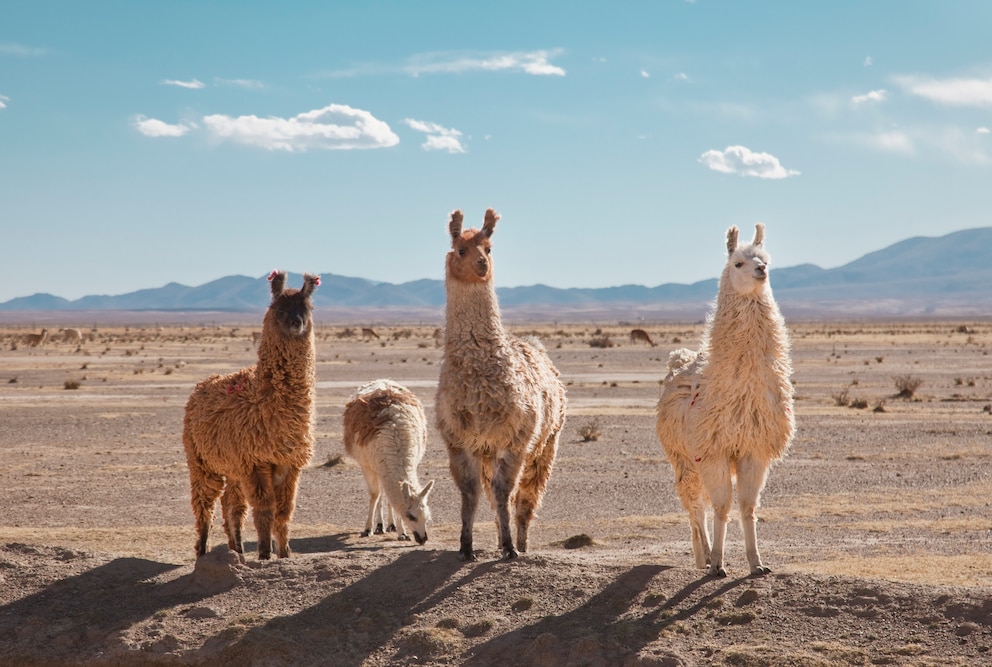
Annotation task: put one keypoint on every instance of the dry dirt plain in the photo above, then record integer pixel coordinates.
(878, 525)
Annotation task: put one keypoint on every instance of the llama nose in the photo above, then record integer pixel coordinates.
(420, 538)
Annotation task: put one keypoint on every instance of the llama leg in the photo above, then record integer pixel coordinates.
(720, 488)
(751, 475)
(286, 480)
(373, 519)
(205, 488)
(504, 483)
(234, 510)
(690, 491)
(262, 499)
(530, 490)
(465, 471)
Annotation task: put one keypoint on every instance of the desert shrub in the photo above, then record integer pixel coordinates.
(907, 385)
(72, 384)
(589, 432)
(843, 397)
(859, 403)
(600, 341)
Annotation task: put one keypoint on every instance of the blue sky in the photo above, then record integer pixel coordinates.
(143, 143)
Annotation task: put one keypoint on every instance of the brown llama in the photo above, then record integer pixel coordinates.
(500, 404)
(248, 435)
(640, 335)
(36, 339)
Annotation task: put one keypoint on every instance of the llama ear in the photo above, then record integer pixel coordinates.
(310, 283)
(759, 234)
(278, 280)
(455, 225)
(427, 489)
(732, 240)
(489, 226)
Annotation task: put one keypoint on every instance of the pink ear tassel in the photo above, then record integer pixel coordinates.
(316, 281)
(272, 275)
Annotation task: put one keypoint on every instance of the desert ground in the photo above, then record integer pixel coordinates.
(877, 525)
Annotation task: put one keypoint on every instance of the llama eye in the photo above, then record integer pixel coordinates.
(411, 516)
(461, 252)
(488, 250)
(739, 264)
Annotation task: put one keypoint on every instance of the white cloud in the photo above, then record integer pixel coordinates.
(891, 141)
(645, 75)
(872, 97)
(195, 84)
(439, 138)
(951, 92)
(682, 76)
(21, 51)
(741, 160)
(335, 127)
(982, 130)
(152, 127)
(532, 62)
(248, 84)
(867, 62)
(3, 101)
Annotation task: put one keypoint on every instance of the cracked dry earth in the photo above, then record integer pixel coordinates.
(878, 524)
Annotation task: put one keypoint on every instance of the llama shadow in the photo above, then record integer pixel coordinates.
(79, 613)
(605, 630)
(307, 545)
(339, 629)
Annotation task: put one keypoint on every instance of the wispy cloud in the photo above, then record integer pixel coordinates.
(21, 51)
(195, 84)
(152, 127)
(536, 63)
(982, 130)
(335, 127)
(889, 141)
(682, 76)
(961, 92)
(872, 97)
(3, 101)
(745, 162)
(247, 84)
(867, 62)
(439, 138)
(645, 74)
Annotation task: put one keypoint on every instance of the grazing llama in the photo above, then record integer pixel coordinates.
(71, 336)
(385, 430)
(500, 404)
(369, 334)
(250, 433)
(36, 339)
(725, 412)
(641, 335)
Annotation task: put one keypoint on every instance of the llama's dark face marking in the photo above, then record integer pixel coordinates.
(294, 313)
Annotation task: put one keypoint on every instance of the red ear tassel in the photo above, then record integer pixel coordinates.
(272, 275)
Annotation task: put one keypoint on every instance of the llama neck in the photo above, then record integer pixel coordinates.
(472, 312)
(287, 367)
(746, 327)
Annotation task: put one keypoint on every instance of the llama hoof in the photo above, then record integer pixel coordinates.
(365, 533)
(391, 528)
(468, 556)
(510, 554)
(403, 538)
(378, 529)
(760, 570)
(716, 572)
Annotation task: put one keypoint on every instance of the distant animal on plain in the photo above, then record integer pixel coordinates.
(255, 337)
(640, 336)
(71, 336)
(368, 334)
(36, 339)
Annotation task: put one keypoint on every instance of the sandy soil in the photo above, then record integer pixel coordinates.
(878, 525)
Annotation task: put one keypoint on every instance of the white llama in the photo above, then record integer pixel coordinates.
(385, 430)
(500, 404)
(725, 413)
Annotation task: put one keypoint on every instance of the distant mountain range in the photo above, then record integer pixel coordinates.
(945, 276)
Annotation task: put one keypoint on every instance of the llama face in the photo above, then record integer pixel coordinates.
(293, 313)
(747, 269)
(417, 514)
(470, 258)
